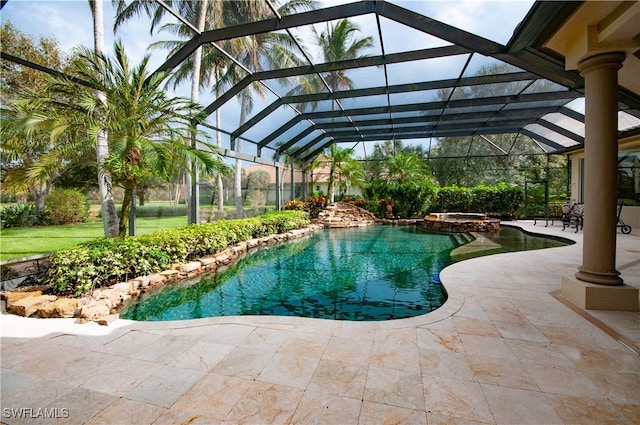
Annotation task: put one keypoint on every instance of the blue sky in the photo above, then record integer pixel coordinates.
(70, 22)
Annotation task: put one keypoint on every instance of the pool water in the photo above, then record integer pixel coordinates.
(374, 273)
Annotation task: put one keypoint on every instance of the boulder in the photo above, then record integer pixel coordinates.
(342, 214)
(11, 297)
(29, 305)
(169, 273)
(62, 307)
(106, 320)
(190, 267)
(93, 311)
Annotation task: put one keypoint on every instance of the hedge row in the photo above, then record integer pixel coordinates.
(110, 260)
(501, 200)
(405, 200)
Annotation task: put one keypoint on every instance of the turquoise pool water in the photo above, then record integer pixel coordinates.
(374, 273)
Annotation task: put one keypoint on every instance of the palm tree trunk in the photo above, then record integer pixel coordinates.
(192, 178)
(219, 144)
(238, 148)
(124, 212)
(109, 214)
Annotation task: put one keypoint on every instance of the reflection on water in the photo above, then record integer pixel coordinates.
(374, 273)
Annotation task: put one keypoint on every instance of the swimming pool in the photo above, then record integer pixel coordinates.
(374, 273)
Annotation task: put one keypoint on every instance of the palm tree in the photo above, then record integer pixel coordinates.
(340, 160)
(338, 42)
(253, 54)
(206, 15)
(204, 67)
(147, 129)
(406, 167)
(351, 173)
(109, 215)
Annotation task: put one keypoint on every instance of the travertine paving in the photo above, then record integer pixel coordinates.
(503, 349)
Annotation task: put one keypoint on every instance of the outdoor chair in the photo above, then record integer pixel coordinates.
(572, 216)
(625, 228)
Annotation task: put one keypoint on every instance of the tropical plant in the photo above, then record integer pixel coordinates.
(200, 16)
(108, 208)
(147, 129)
(337, 42)
(342, 163)
(256, 53)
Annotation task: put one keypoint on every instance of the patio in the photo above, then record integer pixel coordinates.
(504, 349)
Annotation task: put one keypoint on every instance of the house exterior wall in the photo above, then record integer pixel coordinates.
(630, 214)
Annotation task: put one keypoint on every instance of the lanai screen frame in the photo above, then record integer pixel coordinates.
(541, 116)
(347, 125)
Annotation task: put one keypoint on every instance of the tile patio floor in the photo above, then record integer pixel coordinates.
(502, 350)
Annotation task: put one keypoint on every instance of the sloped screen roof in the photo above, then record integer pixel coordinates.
(454, 84)
(421, 79)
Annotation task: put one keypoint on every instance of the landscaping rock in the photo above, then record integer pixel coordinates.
(240, 248)
(28, 306)
(342, 215)
(93, 311)
(224, 257)
(253, 243)
(60, 308)
(169, 273)
(11, 297)
(125, 287)
(106, 320)
(140, 282)
(190, 267)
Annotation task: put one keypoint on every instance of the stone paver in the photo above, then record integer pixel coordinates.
(502, 350)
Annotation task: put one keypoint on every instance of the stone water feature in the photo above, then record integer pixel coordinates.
(461, 222)
(342, 214)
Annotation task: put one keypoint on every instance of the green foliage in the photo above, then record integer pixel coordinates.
(151, 210)
(401, 200)
(453, 199)
(501, 200)
(22, 215)
(108, 260)
(294, 205)
(314, 205)
(256, 199)
(66, 206)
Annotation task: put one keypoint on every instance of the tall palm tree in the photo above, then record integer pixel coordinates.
(204, 67)
(255, 53)
(340, 160)
(147, 129)
(202, 13)
(108, 208)
(338, 42)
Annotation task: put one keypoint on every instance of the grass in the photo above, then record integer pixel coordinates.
(24, 241)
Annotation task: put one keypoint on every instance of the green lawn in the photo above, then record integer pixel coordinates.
(23, 241)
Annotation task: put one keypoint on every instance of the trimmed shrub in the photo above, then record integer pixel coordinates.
(151, 210)
(295, 205)
(314, 205)
(22, 215)
(501, 200)
(405, 200)
(66, 206)
(109, 260)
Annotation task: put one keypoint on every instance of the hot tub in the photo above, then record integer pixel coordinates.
(461, 222)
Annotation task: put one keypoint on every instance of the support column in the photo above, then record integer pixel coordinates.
(278, 190)
(601, 167)
(597, 284)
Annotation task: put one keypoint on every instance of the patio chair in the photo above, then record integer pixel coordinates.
(572, 216)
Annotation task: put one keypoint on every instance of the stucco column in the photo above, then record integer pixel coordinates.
(601, 166)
